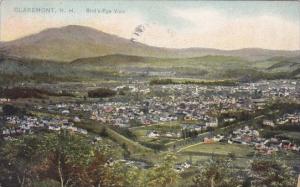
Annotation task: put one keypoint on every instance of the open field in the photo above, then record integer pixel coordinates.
(293, 136)
(218, 149)
(162, 128)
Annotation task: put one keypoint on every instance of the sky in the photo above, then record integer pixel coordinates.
(174, 24)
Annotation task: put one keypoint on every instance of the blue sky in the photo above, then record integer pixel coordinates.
(213, 24)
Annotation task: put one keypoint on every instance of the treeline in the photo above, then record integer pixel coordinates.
(13, 78)
(125, 132)
(288, 127)
(249, 75)
(283, 107)
(281, 134)
(10, 110)
(189, 133)
(24, 92)
(240, 115)
(101, 93)
(155, 146)
(207, 83)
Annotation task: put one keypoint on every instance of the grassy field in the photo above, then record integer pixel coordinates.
(162, 128)
(293, 136)
(218, 149)
(200, 153)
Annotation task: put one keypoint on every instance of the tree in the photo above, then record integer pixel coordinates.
(59, 159)
(164, 174)
(126, 153)
(17, 161)
(271, 173)
(66, 155)
(232, 155)
(11, 110)
(102, 171)
(103, 132)
(135, 177)
(216, 173)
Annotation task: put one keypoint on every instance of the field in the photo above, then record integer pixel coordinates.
(293, 136)
(218, 149)
(162, 128)
(200, 153)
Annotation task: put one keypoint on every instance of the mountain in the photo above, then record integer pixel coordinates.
(73, 42)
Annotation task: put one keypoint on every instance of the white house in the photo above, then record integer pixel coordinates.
(153, 134)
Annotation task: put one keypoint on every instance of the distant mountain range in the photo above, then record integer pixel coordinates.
(76, 42)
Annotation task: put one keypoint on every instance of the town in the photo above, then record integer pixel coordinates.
(172, 117)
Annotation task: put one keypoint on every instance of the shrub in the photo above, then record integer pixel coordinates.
(101, 92)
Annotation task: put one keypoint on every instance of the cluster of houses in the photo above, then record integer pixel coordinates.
(248, 136)
(156, 134)
(162, 103)
(148, 105)
(268, 89)
(23, 125)
(4, 100)
(293, 119)
(182, 166)
(272, 145)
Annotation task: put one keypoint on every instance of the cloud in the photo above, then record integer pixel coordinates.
(213, 29)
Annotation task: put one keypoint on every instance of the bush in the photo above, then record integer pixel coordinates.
(125, 132)
(101, 92)
(156, 147)
(10, 110)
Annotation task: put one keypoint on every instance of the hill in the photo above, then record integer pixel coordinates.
(73, 42)
(124, 67)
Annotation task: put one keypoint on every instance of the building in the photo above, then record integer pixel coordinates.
(268, 123)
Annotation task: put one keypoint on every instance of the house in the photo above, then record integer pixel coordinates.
(200, 127)
(5, 132)
(218, 138)
(82, 131)
(98, 138)
(281, 121)
(108, 109)
(77, 119)
(229, 119)
(168, 134)
(285, 144)
(123, 125)
(4, 100)
(181, 167)
(153, 134)
(73, 129)
(208, 140)
(212, 123)
(65, 112)
(237, 140)
(54, 128)
(268, 123)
